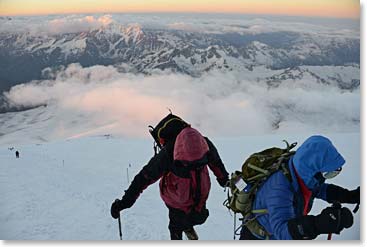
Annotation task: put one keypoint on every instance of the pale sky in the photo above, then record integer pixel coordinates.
(321, 8)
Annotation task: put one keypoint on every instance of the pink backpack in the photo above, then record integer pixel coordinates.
(190, 191)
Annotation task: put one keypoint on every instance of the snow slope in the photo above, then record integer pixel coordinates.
(62, 190)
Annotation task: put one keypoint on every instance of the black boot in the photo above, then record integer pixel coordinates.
(191, 234)
(175, 234)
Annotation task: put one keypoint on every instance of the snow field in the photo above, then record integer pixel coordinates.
(63, 190)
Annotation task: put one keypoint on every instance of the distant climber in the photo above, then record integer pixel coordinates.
(17, 154)
(182, 165)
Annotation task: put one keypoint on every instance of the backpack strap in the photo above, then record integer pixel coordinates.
(183, 168)
(285, 169)
(256, 229)
(197, 193)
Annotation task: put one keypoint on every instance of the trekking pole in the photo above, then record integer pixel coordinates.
(128, 178)
(119, 219)
(234, 226)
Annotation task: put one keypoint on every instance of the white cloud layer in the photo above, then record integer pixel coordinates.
(73, 25)
(219, 104)
(39, 25)
(204, 23)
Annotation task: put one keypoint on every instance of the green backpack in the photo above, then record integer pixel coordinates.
(245, 183)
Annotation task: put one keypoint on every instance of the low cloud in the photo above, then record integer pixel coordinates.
(219, 104)
(73, 25)
(39, 25)
(212, 23)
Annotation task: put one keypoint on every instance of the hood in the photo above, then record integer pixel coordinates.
(316, 154)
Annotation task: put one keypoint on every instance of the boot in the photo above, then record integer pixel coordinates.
(191, 234)
(176, 235)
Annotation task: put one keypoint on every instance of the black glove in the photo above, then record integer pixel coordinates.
(126, 202)
(355, 196)
(116, 207)
(224, 182)
(338, 194)
(331, 220)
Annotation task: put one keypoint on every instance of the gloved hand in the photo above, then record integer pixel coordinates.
(339, 194)
(330, 220)
(116, 207)
(355, 196)
(224, 182)
(333, 220)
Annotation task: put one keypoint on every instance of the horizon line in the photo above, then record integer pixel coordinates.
(182, 12)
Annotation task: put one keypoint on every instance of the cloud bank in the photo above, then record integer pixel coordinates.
(203, 23)
(73, 25)
(51, 25)
(219, 104)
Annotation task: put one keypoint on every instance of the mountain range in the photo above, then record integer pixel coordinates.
(26, 56)
(276, 78)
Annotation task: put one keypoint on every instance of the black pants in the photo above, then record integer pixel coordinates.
(247, 235)
(180, 221)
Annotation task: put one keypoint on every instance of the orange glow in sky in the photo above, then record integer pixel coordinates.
(322, 8)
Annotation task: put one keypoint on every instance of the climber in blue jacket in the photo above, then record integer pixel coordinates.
(288, 201)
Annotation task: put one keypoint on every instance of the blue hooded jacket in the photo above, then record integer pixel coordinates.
(283, 198)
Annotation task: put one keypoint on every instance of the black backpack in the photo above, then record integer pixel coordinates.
(167, 130)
